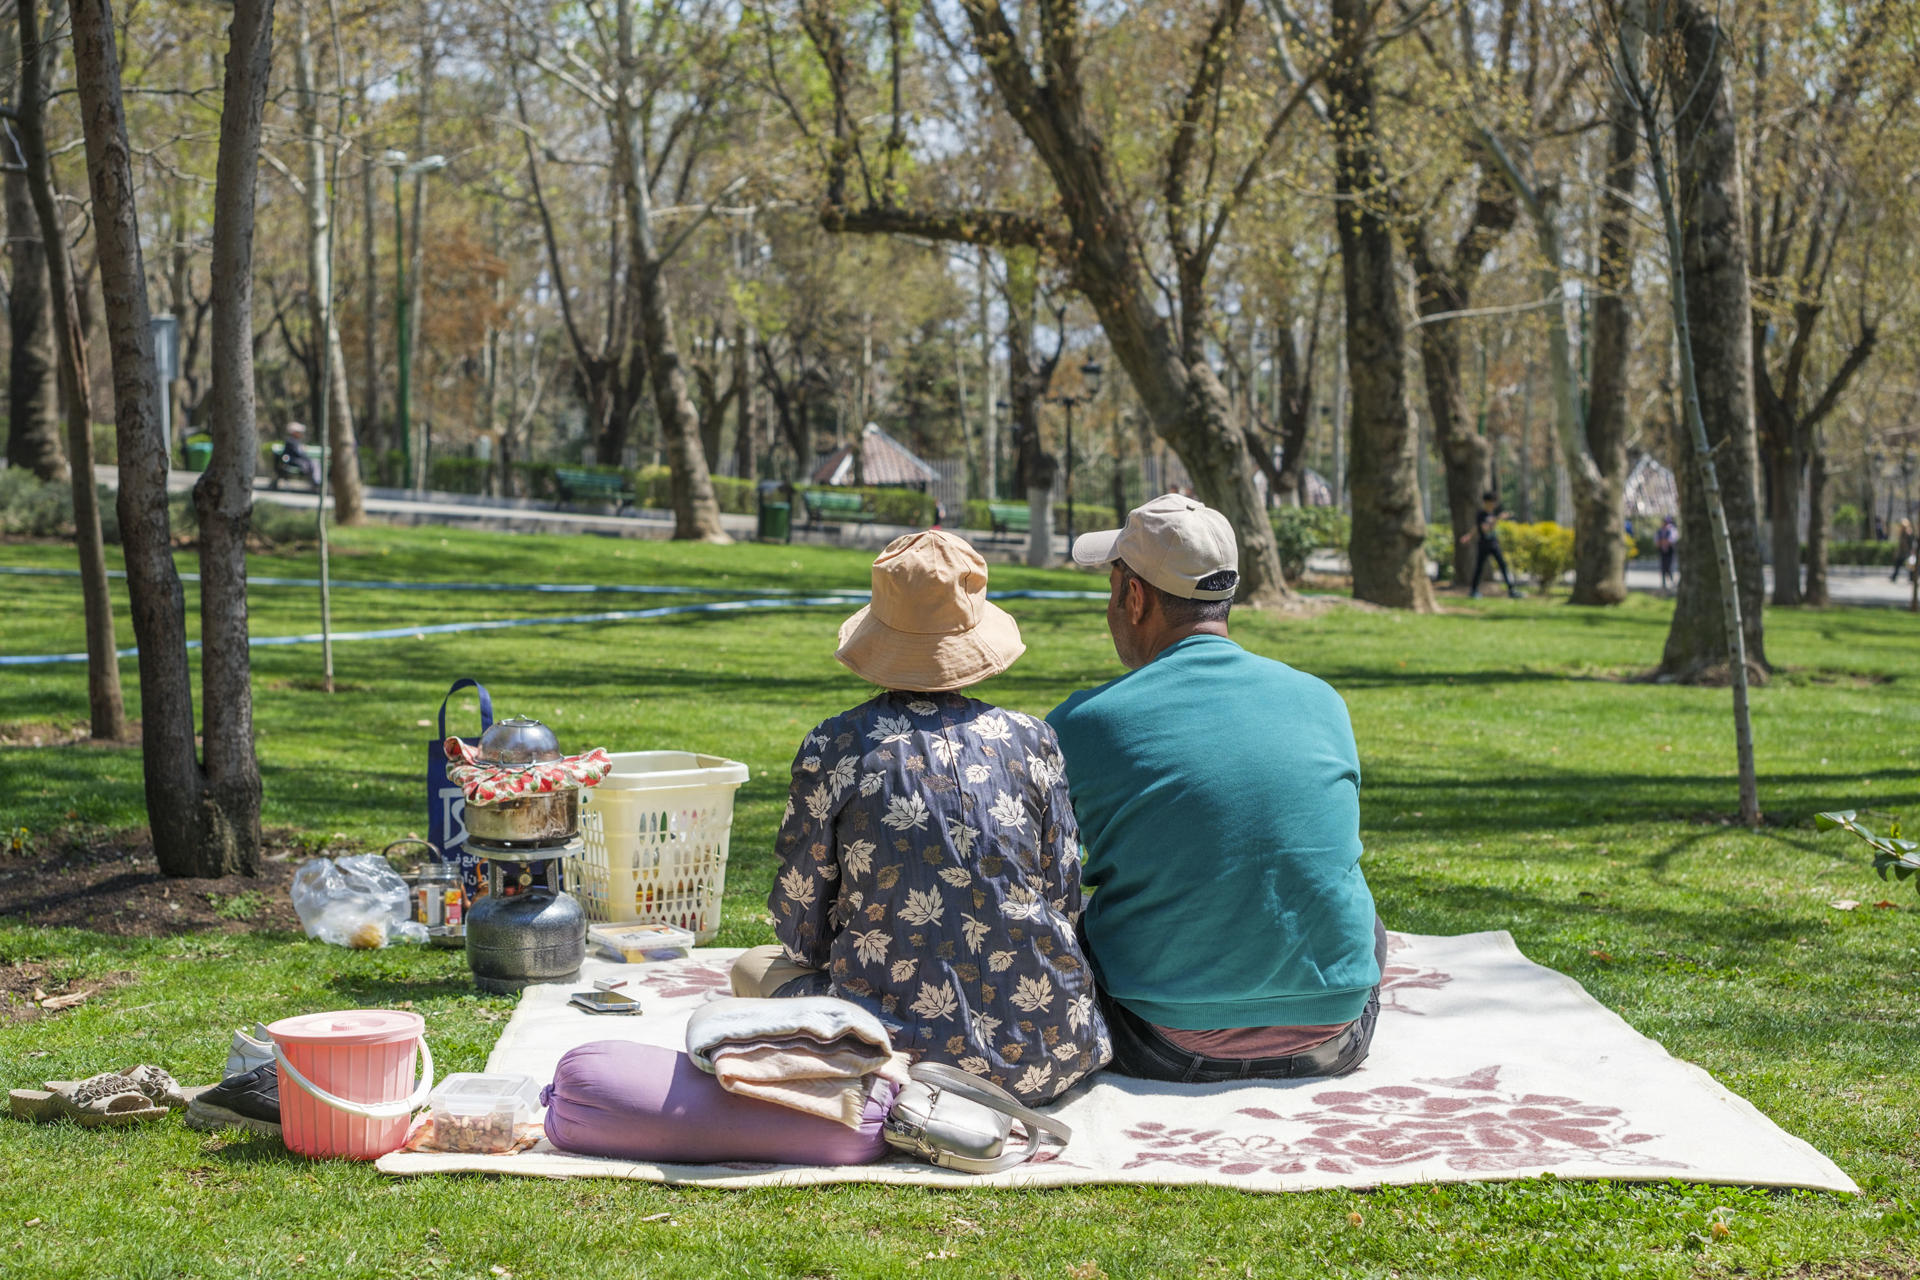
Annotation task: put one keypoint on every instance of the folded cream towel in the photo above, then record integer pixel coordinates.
(814, 1054)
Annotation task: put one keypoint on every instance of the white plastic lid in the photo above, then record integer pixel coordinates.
(478, 1092)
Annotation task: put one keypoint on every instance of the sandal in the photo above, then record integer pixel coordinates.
(109, 1098)
(161, 1089)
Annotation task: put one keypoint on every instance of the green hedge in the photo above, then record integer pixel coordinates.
(33, 509)
(654, 485)
(1869, 552)
(1300, 531)
(459, 475)
(889, 506)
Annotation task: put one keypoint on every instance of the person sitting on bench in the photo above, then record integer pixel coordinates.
(294, 450)
(929, 859)
(1231, 930)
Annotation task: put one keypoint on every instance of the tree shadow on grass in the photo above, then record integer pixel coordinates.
(375, 990)
(1541, 801)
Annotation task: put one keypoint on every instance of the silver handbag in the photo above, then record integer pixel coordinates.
(959, 1121)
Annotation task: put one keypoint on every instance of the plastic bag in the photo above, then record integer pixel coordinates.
(357, 901)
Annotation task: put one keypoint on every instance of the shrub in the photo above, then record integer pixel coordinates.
(1440, 548)
(1870, 552)
(653, 488)
(459, 475)
(535, 479)
(901, 506)
(33, 508)
(1087, 515)
(1542, 551)
(1847, 516)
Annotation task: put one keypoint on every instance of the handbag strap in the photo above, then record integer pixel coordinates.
(992, 1096)
(486, 704)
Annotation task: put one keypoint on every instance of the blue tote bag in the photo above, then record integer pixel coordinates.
(446, 803)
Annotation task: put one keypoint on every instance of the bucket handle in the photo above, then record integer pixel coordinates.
(367, 1110)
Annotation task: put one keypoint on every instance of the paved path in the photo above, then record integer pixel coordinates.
(523, 515)
(1846, 584)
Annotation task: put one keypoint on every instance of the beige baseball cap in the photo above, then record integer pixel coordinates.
(1174, 542)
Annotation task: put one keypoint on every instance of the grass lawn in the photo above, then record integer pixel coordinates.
(1513, 781)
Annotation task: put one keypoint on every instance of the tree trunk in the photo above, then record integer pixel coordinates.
(1388, 544)
(343, 452)
(106, 714)
(370, 305)
(696, 514)
(744, 418)
(1782, 470)
(33, 406)
(1819, 522)
(230, 809)
(1714, 259)
(170, 763)
(1599, 517)
(990, 412)
(1464, 452)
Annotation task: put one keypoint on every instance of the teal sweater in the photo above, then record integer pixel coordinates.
(1218, 794)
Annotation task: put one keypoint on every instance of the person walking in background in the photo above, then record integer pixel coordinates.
(1487, 529)
(1665, 542)
(1903, 548)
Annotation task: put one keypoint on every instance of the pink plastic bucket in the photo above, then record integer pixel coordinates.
(346, 1080)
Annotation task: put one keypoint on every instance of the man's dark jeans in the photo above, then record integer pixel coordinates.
(1486, 551)
(1141, 1051)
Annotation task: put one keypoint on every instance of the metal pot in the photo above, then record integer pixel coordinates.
(530, 822)
(518, 740)
(540, 821)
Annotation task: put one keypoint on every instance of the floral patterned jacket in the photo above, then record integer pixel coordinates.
(930, 865)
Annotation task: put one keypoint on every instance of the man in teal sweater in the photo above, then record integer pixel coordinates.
(1218, 793)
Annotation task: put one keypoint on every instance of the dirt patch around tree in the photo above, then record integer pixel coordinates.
(32, 989)
(110, 883)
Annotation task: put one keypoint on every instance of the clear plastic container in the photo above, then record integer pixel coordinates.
(476, 1112)
(638, 943)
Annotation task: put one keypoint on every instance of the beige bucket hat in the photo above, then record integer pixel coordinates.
(930, 628)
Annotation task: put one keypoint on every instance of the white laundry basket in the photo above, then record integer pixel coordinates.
(656, 831)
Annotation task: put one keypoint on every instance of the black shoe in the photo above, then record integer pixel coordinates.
(249, 1101)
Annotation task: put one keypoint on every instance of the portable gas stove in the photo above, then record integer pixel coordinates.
(525, 929)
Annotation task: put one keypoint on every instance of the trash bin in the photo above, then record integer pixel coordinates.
(776, 517)
(199, 454)
(776, 521)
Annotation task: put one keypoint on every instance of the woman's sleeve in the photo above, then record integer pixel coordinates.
(807, 886)
(1059, 830)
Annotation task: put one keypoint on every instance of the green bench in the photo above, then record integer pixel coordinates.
(1009, 517)
(827, 507)
(577, 486)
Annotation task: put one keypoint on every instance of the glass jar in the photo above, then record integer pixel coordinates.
(437, 899)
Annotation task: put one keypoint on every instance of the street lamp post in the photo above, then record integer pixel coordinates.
(1090, 380)
(1876, 468)
(397, 162)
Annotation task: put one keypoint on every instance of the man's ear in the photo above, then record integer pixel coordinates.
(1136, 601)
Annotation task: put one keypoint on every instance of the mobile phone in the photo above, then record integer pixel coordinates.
(604, 1002)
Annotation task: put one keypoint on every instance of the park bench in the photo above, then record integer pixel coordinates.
(1009, 518)
(576, 485)
(826, 507)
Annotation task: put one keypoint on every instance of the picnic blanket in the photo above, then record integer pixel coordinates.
(1485, 1067)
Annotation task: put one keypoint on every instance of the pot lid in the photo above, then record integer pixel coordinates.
(349, 1026)
(518, 741)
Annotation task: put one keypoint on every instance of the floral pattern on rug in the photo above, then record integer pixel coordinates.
(1464, 1121)
(684, 979)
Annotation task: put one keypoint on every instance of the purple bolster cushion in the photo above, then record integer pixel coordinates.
(646, 1102)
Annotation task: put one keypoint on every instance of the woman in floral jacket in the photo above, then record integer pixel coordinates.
(930, 861)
